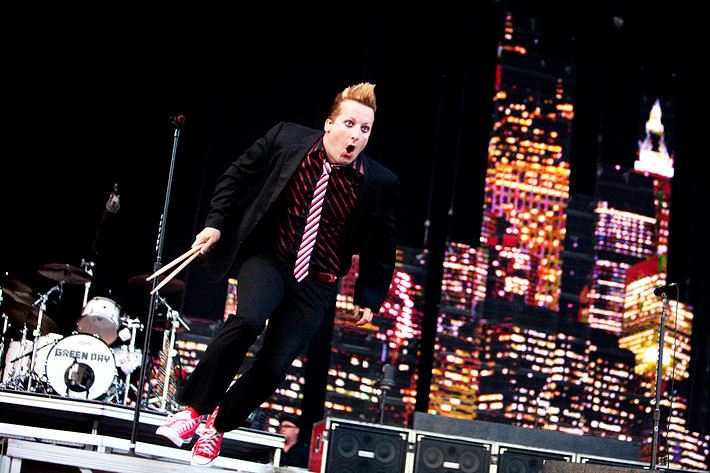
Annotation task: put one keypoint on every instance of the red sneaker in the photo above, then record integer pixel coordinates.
(180, 427)
(206, 449)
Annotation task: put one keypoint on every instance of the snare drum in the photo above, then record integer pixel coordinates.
(100, 317)
(80, 366)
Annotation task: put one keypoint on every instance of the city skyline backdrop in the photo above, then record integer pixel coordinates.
(601, 340)
(627, 58)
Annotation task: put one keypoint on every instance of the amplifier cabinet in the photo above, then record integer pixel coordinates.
(435, 453)
(344, 446)
(519, 459)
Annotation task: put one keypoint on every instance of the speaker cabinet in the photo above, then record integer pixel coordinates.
(436, 454)
(597, 460)
(521, 460)
(603, 466)
(353, 447)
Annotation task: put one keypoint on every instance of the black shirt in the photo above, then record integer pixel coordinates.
(296, 456)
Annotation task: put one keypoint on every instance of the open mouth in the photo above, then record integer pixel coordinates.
(350, 148)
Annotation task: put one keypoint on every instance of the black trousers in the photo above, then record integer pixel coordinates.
(265, 290)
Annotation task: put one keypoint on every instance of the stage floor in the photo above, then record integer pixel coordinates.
(56, 434)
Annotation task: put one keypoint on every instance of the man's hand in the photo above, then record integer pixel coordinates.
(209, 236)
(364, 314)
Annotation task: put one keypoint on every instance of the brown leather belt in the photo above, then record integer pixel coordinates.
(322, 277)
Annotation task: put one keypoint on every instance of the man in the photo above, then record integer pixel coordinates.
(295, 452)
(293, 179)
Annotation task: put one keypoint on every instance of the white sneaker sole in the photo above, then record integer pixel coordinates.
(205, 462)
(171, 435)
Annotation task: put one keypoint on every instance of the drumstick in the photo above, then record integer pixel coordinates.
(172, 275)
(175, 261)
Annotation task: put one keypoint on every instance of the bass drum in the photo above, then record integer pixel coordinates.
(80, 366)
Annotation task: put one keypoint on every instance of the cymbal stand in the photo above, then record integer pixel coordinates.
(42, 303)
(169, 344)
(15, 381)
(87, 266)
(3, 341)
(133, 325)
(5, 323)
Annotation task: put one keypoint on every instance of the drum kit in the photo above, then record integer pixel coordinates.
(94, 362)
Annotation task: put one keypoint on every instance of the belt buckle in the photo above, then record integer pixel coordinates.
(326, 277)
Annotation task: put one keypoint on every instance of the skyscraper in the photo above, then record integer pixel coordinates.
(518, 264)
(527, 179)
(455, 367)
(536, 334)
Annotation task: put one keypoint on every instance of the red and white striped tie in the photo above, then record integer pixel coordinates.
(310, 232)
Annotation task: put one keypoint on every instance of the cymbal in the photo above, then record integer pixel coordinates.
(14, 284)
(64, 273)
(20, 309)
(18, 297)
(139, 282)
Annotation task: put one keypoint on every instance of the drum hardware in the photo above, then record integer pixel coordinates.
(167, 354)
(134, 356)
(13, 377)
(41, 303)
(115, 392)
(5, 325)
(21, 309)
(18, 304)
(88, 267)
(18, 354)
(3, 341)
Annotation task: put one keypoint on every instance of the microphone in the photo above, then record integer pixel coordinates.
(113, 203)
(177, 121)
(660, 290)
(387, 382)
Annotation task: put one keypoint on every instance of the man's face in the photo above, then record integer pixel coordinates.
(288, 430)
(347, 135)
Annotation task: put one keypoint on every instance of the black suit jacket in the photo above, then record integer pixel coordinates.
(252, 183)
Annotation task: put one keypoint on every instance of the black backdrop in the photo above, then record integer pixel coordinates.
(91, 91)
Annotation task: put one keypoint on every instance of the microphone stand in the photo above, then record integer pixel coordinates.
(659, 380)
(112, 206)
(176, 122)
(386, 384)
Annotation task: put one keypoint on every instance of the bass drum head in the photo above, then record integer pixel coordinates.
(80, 366)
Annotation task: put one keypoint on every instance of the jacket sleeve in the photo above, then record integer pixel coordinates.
(242, 174)
(378, 257)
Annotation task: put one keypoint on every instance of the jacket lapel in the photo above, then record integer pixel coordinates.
(365, 199)
(289, 162)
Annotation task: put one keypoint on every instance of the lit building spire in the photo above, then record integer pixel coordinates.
(653, 153)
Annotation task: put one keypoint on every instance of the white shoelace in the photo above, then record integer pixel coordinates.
(208, 440)
(182, 416)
